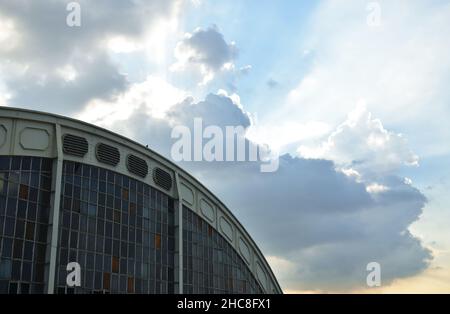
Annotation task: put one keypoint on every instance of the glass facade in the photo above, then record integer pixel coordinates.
(25, 184)
(120, 231)
(210, 263)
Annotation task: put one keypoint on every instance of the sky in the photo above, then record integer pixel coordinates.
(352, 95)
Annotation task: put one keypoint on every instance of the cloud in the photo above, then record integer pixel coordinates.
(245, 70)
(50, 66)
(323, 223)
(400, 69)
(363, 144)
(207, 52)
(153, 107)
(217, 109)
(271, 83)
(153, 97)
(46, 39)
(68, 88)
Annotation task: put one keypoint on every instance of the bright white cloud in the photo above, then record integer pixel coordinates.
(154, 97)
(9, 37)
(376, 188)
(68, 73)
(122, 44)
(400, 69)
(280, 136)
(361, 142)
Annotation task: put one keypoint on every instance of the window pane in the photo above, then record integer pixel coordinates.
(115, 264)
(157, 241)
(106, 281)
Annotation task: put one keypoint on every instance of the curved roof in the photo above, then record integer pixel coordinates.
(33, 133)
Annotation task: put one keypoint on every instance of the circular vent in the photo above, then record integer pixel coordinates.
(75, 145)
(137, 165)
(107, 154)
(162, 178)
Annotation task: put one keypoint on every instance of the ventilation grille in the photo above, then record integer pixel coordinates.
(75, 145)
(107, 154)
(137, 166)
(162, 178)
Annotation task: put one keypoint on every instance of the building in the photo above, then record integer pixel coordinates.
(132, 220)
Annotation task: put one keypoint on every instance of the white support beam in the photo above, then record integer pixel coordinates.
(52, 235)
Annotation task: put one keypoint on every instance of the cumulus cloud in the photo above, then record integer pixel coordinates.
(400, 68)
(325, 224)
(205, 51)
(50, 66)
(363, 144)
(217, 109)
